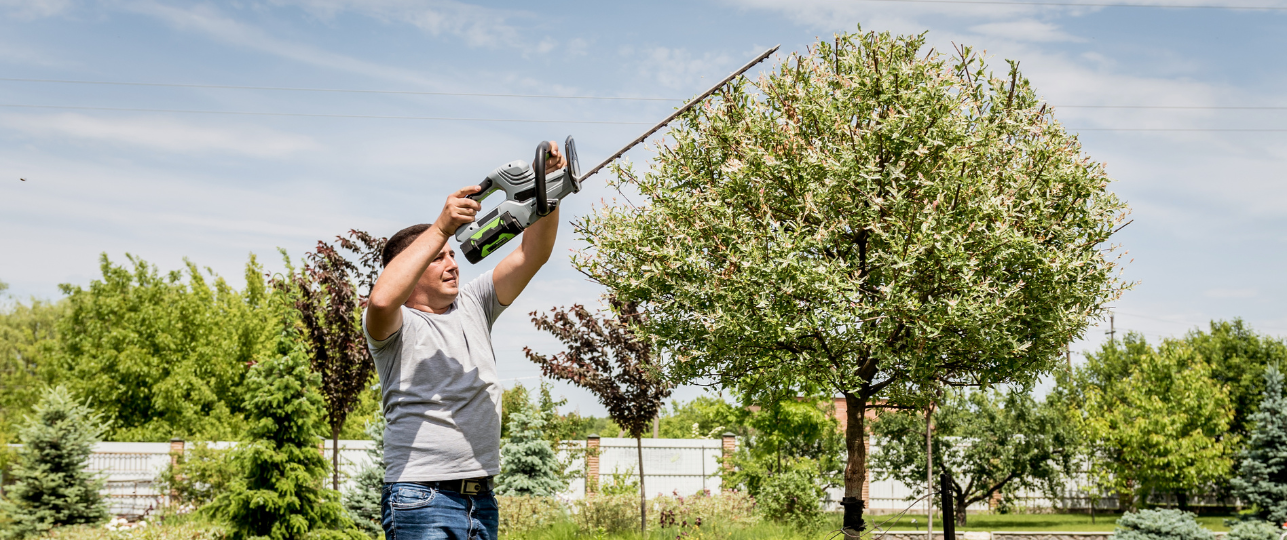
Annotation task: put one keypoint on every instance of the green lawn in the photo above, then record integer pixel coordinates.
(1026, 522)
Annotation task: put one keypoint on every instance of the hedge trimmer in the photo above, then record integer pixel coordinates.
(531, 194)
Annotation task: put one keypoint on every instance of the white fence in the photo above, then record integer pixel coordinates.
(683, 466)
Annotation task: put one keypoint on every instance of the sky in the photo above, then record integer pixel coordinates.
(108, 171)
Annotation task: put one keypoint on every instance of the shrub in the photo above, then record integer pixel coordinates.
(607, 513)
(363, 501)
(732, 507)
(151, 531)
(201, 474)
(519, 515)
(280, 494)
(1263, 478)
(1254, 530)
(791, 497)
(1160, 525)
(51, 486)
(529, 466)
(621, 483)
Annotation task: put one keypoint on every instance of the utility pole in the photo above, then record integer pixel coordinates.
(1112, 328)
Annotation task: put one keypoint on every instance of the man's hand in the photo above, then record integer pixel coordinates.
(555, 160)
(458, 210)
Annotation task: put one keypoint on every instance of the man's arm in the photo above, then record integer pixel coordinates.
(398, 280)
(514, 271)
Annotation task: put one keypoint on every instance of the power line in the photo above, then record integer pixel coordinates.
(318, 115)
(1082, 4)
(545, 96)
(336, 90)
(519, 120)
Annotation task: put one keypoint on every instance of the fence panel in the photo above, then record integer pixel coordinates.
(683, 466)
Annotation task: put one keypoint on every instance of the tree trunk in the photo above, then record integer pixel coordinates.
(1182, 500)
(643, 495)
(856, 467)
(335, 457)
(929, 473)
(960, 509)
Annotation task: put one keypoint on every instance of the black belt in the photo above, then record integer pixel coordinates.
(465, 486)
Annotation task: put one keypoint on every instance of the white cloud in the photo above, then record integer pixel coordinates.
(210, 22)
(680, 69)
(479, 26)
(33, 9)
(1024, 30)
(162, 134)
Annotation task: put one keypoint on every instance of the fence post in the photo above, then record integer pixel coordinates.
(592, 463)
(176, 451)
(729, 446)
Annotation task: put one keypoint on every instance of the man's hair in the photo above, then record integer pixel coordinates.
(400, 241)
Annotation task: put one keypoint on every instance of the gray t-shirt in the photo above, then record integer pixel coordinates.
(441, 395)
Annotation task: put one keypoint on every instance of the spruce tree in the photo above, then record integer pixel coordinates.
(51, 485)
(363, 501)
(529, 466)
(1263, 478)
(280, 496)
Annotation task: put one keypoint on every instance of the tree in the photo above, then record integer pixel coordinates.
(51, 485)
(327, 297)
(873, 219)
(164, 356)
(1262, 480)
(28, 344)
(1155, 420)
(705, 417)
(787, 436)
(280, 496)
(529, 466)
(988, 440)
(1238, 357)
(363, 501)
(606, 357)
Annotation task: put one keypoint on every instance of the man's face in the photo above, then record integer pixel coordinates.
(441, 279)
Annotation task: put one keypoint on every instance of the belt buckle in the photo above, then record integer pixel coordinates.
(471, 487)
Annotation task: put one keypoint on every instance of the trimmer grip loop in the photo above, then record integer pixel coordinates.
(538, 166)
(484, 188)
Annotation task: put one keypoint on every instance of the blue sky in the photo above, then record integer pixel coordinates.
(1210, 207)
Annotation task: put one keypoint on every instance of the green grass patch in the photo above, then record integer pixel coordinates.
(1026, 522)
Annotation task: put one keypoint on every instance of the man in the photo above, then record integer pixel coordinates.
(431, 339)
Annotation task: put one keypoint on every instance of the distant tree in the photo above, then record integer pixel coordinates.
(363, 500)
(703, 417)
(529, 465)
(873, 218)
(787, 435)
(1238, 356)
(990, 441)
(28, 346)
(51, 485)
(281, 495)
(165, 355)
(1154, 420)
(1262, 479)
(606, 357)
(329, 292)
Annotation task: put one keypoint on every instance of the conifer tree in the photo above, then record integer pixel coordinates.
(1263, 478)
(529, 465)
(363, 501)
(281, 495)
(52, 486)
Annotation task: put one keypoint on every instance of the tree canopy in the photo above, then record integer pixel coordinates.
(874, 218)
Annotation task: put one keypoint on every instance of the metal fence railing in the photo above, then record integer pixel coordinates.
(683, 466)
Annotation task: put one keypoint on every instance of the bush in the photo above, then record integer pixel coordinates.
(52, 487)
(151, 531)
(621, 483)
(598, 513)
(519, 515)
(280, 496)
(791, 497)
(1160, 525)
(363, 501)
(1254, 530)
(731, 508)
(201, 474)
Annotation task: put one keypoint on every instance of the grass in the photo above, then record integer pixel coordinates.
(1028, 522)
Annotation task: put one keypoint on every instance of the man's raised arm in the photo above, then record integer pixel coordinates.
(398, 280)
(514, 271)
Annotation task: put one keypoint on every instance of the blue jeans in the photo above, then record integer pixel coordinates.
(415, 512)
